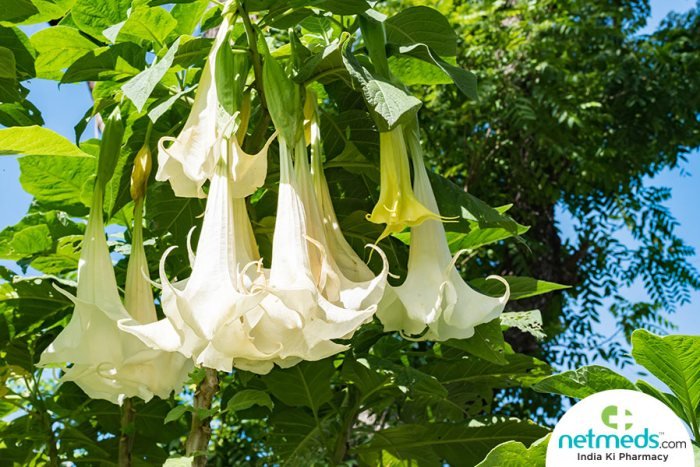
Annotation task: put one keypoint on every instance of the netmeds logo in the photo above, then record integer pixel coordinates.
(619, 419)
(616, 427)
(616, 418)
(593, 440)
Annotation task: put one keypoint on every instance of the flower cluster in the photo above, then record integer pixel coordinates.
(232, 311)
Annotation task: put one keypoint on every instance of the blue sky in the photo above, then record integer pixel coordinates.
(63, 106)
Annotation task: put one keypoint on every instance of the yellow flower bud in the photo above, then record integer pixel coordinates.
(397, 207)
(140, 172)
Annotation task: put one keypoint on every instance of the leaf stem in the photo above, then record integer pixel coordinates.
(126, 438)
(200, 430)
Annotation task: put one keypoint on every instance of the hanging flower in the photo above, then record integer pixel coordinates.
(434, 302)
(107, 363)
(309, 302)
(220, 289)
(188, 161)
(397, 207)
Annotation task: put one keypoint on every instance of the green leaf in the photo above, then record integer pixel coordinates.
(94, 16)
(583, 382)
(192, 51)
(58, 48)
(20, 114)
(176, 413)
(57, 182)
(48, 10)
(17, 11)
(388, 104)
(411, 71)
(230, 76)
(304, 385)
(520, 370)
(118, 62)
(525, 321)
(467, 209)
(18, 42)
(345, 7)
(8, 67)
(486, 343)
(140, 87)
(465, 80)
(147, 25)
(456, 444)
(669, 399)
(296, 437)
(37, 141)
(520, 287)
(516, 454)
(360, 373)
(675, 360)
(188, 15)
(422, 25)
(247, 398)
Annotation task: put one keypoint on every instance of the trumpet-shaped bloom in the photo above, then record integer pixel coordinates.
(309, 300)
(189, 161)
(219, 291)
(397, 207)
(107, 363)
(434, 302)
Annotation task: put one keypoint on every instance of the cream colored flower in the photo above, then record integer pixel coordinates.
(309, 300)
(107, 363)
(434, 302)
(189, 159)
(220, 290)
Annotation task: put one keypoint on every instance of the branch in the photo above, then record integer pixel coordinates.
(126, 439)
(200, 431)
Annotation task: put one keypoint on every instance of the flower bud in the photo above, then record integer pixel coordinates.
(140, 172)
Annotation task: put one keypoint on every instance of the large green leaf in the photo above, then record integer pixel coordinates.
(515, 454)
(520, 370)
(486, 343)
(675, 360)
(57, 182)
(388, 104)
(116, 63)
(37, 141)
(520, 287)
(58, 48)
(17, 11)
(456, 444)
(147, 25)
(304, 385)
(465, 80)
(422, 25)
(247, 398)
(8, 67)
(94, 16)
(583, 382)
(18, 42)
(140, 87)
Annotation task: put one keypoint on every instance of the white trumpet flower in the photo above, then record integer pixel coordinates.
(221, 289)
(189, 161)
(107, 363)
(309, 302)
(434, 302)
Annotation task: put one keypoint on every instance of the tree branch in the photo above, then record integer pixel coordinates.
(200, 431)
